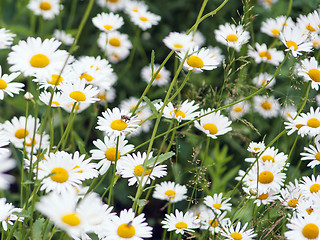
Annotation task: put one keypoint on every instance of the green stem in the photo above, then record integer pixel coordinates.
(72, 13)
(114, 172)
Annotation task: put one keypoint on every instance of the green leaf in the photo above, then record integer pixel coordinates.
(37, 229)
(24, 213)
(140, 202)
(152, 61)
(160, 159)
(150, 104)
(80, 143)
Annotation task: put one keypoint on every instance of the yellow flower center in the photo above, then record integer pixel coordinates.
(126, 230)
(78, 96)
(317, 156)
(313, 122)
(108, 27)
(211, 128)
(214, 223)
(238, 109)
(76, 167)
(111, 154)
(299, 126)
(275, 32)
(144, 19)
(45, 6)
(263, 196)
(293, 202)
(60, 175)
(115, 42)
(265, 54)
(112, 1)
(232, 38)
(178, 113)
(314, 74)
(256, 149)
(87, 77)
(101, 96)
(236, 236)
(55, 103)
(71, 219)
(138, 170)
(39, 61)
(310, 28)
(29, 143)
(315, 188)
(216, 205)
(181, 225)
(267, 158)
(315, 44)
(118, 125)
(310, 231)
(265, 177)
(158, 75)
(170, 193)
(309, 210)
(266, 105)
(21, 133)
(292, 44)
(56, 79)
(195, 61)
(178, 46)
(3, 84)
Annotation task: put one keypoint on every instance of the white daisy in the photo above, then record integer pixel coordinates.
(144, 19)
(303, 228)
(7, 214)
(135, 6)
(217, 203)
(57, 99)
(238, 232)
(310, 186)
(170, 191)
(255, 147)
(6, 164)
(214, 223)
(7, 86)
(273, 27)
(216, 53)
(309, 23)
(178, 41)
(108, 21)
(162, 78)
(267, 107)
(262, 79)
(48, 9)
(288, 112)
(112, 5)
(239, 110)
(6, 38)
(64, 37)
(291, 194)
(309, 123)
(310, 71)
(313, 153)
(264, 54)
(262, 198)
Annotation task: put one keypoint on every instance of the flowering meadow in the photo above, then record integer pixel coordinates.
(186, 119)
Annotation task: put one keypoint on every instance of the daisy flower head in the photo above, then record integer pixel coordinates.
(6, 38)
(35, 56)
(256, 147)
(133, 6)
(267, 3)
(34, 142)
(213, 124)
(85, 168)
(288, 112)
(309, 206)
(178, 41)
(107, 152)
(132, 167)
(291, 195)
(216, 53)
(57, 99)
(48, 9)
(78, 92)
(310, 71)
(309, 123)
(180, 222)
(127, 226)
(161, 79)
(267, 107)
(310, 186)
(273, 27)
(7, 214)
(170, 191)
(108, 21)
(215, 223)
(117, 122)
(7, 86)
(232, 36)
(198, 39)
(264, 54)
(238, 232)
(309, 23)
(295, 41)
(303, 228)
(183, 111)
(312, 153)
(64, 37)
(315, 39)
(262, 198)
(198, 59)
(239, 110)
(217, 203)
(112, 5)
(144, 19)
(106, 95)
(6, 164)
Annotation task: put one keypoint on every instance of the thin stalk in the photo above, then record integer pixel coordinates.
(114, 172)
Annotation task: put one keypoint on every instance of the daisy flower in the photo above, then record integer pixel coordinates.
(255, 147)
(215, 223)
(213, 124)
(309, 206)
(78, 92)
(309, 23)
(310, 186)
(291, 194)
(294, 124)
(115, 122)
(132, 167)
(34, 142)
(310, 71)
(144, 19)
(64, 37)
(267, 107)
(232, 36)
(7, 86)
(295, 41)
(85, 167)
(216, 53)
(178, 41)
(48, 9)
(6, 164)
(106, 95)
(57, 100)
(112, 5)
(133, 6)
(198, 39)
(288, 112)
(65, 172)
(310, 123)
(238, 232)
(273, 27)
(106, 152)
(180, 222)
(36, 57)
(217, 203)
(183, 111)
(312, 153)
(161, 79)
(7, 214)
(108, 21)
(303, 228)
(315, 39)
(198, 59)
(6, 38)
(170, 191)
(264, 54)
(239, 110)
(262, 79)
(267, 3)
(262, 198)
(127, 226)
